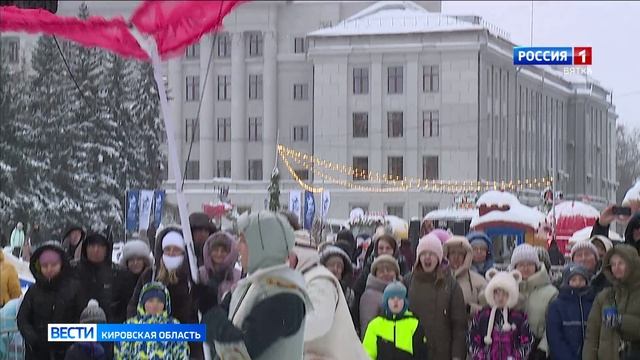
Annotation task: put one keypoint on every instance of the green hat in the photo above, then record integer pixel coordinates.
(269, 236)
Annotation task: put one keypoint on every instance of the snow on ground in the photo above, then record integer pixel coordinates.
(452, 214)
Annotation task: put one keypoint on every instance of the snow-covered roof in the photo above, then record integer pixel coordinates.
(395, 17)
(451, 214)
(585, 234)
(498, 198)
(517, 213)
(632, 195)
(574, 209)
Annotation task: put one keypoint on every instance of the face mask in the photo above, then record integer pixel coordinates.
(172, 262)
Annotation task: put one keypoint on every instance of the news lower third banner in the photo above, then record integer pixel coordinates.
(126, 332)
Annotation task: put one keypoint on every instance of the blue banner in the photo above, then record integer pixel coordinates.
(158, 198)
(309, 209)
(151, 332)
(133, 200)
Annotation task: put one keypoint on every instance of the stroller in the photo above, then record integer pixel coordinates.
(11, 342)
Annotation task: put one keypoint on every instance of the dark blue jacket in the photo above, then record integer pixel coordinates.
(567, 322)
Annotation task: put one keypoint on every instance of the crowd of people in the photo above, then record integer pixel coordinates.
(267, 292)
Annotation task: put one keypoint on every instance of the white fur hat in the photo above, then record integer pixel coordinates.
(507, 281)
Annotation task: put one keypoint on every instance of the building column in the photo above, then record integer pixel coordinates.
(176, 86)
(238, 108)
(412, 160)
(207, 114)
(377, 117)
(270, 101)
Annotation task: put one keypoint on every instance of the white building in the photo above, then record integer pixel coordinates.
(386, 87)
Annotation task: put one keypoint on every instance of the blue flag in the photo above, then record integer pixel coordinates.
(309, 209)
(158, 198)
(133, 198)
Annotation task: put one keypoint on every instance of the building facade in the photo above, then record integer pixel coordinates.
(393, 88)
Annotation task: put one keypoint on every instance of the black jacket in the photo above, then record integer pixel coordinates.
(47, 302)
(87, 351)
(67, 246)
(633, 224)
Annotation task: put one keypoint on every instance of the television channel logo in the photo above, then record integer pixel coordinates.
(524, 55)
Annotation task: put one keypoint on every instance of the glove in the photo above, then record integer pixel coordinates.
(219, 328)
(612, 322)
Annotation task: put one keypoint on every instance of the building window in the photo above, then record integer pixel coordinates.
(395, 167)
(430, 168)
(224, 168)
(255, 129)
(394, 80)
(255, 87)
(193, 88)
(427, 209)
(395, 210)
(224, 129)
(224, 45)
(360, 81)
(301, 133)
(255, 169)
(193, 51)
(431, 78)
(10, 50)
(360, 125)
(255, 44)
(394, 124)
(299, 46)
(360, 168)
(430, 123)
(193, 170)
(300, 91)
(302, 174)
(224, 87)
(189, 126)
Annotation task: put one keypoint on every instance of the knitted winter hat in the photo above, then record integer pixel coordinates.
(584, 245)
(93, 313)
(522, 253)
(385, 259)
(442, 235)
(154, 293)
(49, 256)
(572, 270)
(432, 244)
(507, 281)
(173, 238)
(135, 249)
(395, 289)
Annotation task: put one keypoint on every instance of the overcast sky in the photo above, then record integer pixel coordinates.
(611, 28)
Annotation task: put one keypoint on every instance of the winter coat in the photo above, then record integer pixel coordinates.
(11, 342)
(602, 342)
(482, 268)
(512, 344)
(400, 337)
(329, 333)
(634, 223)
(567, 322)
(104, 282)
(266, 318)
(371, 301)
(599, 282)
(217, 280)
(48, 302)
(152, 350)
(9, 281)
(35, 238)
(17, 238)
(74, 252)
(471, 283)
(536, 293)
(437, 300)
(555, 255)
(86, 351)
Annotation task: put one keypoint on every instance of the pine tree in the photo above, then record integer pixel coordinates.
(274, 190)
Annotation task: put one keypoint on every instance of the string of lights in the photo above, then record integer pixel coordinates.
(320, 167)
